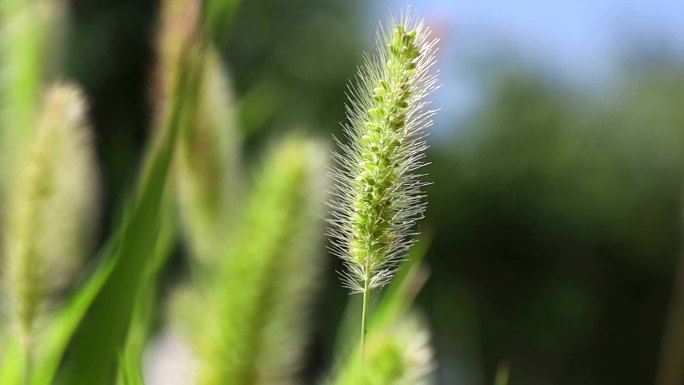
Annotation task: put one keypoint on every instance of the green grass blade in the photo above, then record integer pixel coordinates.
(408, 281)
(143, 314)
(61, 329)
(129, 371)
(12, 363)
(103, 332)
(55, 337)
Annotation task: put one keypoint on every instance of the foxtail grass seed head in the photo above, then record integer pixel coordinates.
(51, 206)
(208, 167)
(378, 196)
(398, 353)
(256, 326)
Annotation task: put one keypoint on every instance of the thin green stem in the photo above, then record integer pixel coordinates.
(364, 318)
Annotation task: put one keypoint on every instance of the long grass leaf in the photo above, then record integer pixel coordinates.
(94, 354)
(143, 314)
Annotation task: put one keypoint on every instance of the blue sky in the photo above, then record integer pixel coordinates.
(582, 41)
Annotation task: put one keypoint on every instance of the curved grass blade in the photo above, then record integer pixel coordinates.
(55, 337)
(94, 353)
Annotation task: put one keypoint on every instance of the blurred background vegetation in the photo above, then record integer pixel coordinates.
(555, 213)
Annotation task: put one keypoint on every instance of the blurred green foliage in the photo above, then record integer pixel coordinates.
(555, 211)
(253, 257)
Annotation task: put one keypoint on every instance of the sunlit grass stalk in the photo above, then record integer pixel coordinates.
(378, 194)
(50, 211)
(255, 323)
(143, 316)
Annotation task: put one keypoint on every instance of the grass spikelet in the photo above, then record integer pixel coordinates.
(50, 213)
(378, 196)
(207, 160)
(398, 354)
(256, 328)
(208, 177)
(401, 356)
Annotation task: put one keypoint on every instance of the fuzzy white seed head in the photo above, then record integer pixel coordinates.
(378, 190)
(52, 206)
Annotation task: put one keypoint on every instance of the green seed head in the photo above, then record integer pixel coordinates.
(207, 166)
(51, 206)
(400, 355)
(397, 353)
(255, 319)
(378, 195)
